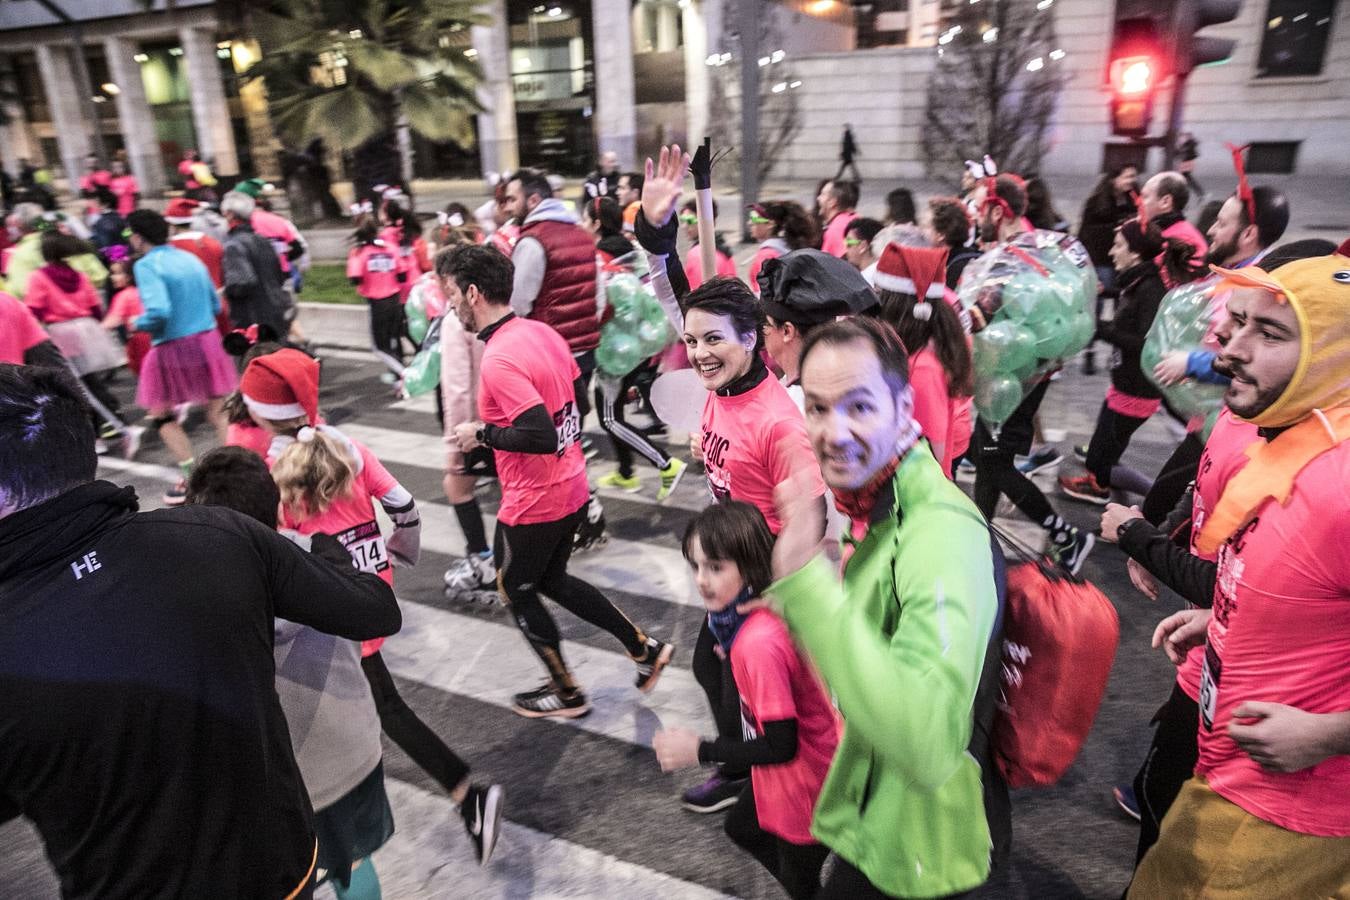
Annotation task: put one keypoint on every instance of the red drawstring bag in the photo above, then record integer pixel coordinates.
(1059, 641)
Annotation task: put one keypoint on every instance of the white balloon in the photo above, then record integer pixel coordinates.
(678, 398)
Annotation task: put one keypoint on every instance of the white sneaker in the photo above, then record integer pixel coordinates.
(131, 440)
(473, 573)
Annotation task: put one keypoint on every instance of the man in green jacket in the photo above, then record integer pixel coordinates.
(901, 641)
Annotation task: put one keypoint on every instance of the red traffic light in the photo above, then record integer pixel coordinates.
(1132, 76)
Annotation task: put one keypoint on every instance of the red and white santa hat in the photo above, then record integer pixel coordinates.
(921, 271)
(282, 386)
(179, 211)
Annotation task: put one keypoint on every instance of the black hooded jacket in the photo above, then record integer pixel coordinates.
(140, 730)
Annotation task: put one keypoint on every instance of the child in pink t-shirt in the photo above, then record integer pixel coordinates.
(790, 729)
(123, 311)
(379, 275)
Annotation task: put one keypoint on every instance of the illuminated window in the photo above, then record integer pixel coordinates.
(1294, 37)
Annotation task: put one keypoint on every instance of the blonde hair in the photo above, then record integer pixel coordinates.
(311, 474)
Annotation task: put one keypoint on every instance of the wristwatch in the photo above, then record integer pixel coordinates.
(481, 436)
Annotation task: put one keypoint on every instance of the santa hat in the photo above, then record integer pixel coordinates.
(282, 385)
(920, 271)
(180, 210)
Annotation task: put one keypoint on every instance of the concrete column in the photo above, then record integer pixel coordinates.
(697, 72)
(210, 112)
(57, 69)
(498, 148)
(133, 112)
(615, 116)
(667, 27)
(16, 140)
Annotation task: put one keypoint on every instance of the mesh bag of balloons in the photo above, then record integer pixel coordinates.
(1187, 318)
(638, 328)
(424, 310)
(1038, 298)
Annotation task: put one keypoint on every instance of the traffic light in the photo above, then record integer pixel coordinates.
(1133, 71)
(1190, 50)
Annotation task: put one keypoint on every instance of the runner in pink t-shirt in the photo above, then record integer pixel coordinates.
(789, 729)
(124, 187)
(530, 421)
(379, 275)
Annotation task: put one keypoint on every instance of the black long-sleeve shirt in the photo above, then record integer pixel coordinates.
(140, 729)
(1164, 552)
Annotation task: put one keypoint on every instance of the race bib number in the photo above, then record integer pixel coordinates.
(1210, 674)
(381, 263)
(366, 546)
(567, 423)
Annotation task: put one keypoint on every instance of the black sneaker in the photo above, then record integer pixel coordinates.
(1040, 460)
(482, 812)
(547, 701)
(1070, 549)
(713, 795)
(591, 532)
(650, 666)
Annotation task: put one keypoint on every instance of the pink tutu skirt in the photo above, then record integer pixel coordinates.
(192, 369)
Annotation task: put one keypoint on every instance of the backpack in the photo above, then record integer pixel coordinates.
(1059, 641)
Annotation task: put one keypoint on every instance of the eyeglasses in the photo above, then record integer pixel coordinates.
(688, 219)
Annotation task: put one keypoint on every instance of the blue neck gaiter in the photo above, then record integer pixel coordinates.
(726, 623)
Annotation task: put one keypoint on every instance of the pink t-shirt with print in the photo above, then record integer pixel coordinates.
(526, 363)
(377, 267)
(1280, 633)
(1222, 458)
(754, 441)
(351, 519)
(776, 683)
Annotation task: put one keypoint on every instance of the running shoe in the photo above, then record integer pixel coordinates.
(476, 572)
(131, 441)
(588, 448)
(482, 813)
(176, 495)
(713, 795)
(1125, 799)
(1085, 487)
(109, 432)
(615, 479)
(1080, 451)
(652, 664)
(1040, 460)
(1071, 549)
(966, 466)
(388, 378)
(591, 533)
(547, 701)
(670, 476)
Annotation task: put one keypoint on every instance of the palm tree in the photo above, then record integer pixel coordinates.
(360, 72)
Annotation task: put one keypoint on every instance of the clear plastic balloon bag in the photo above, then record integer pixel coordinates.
(423, 374)
(1187, 321)
(1037, 295)
(637, 327)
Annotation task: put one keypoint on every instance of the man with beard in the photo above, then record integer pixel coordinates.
(1242, 235)
(1260, 816)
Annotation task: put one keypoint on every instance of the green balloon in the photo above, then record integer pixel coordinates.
(1003, 347)
(997, 397)
(417, 321)
(624, 293)
(619, 352)
(1053, 338)
(653, 336)
(423, 374)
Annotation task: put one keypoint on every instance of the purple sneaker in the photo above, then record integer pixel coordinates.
(713, 795)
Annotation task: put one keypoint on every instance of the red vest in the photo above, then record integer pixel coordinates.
(566, 298)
